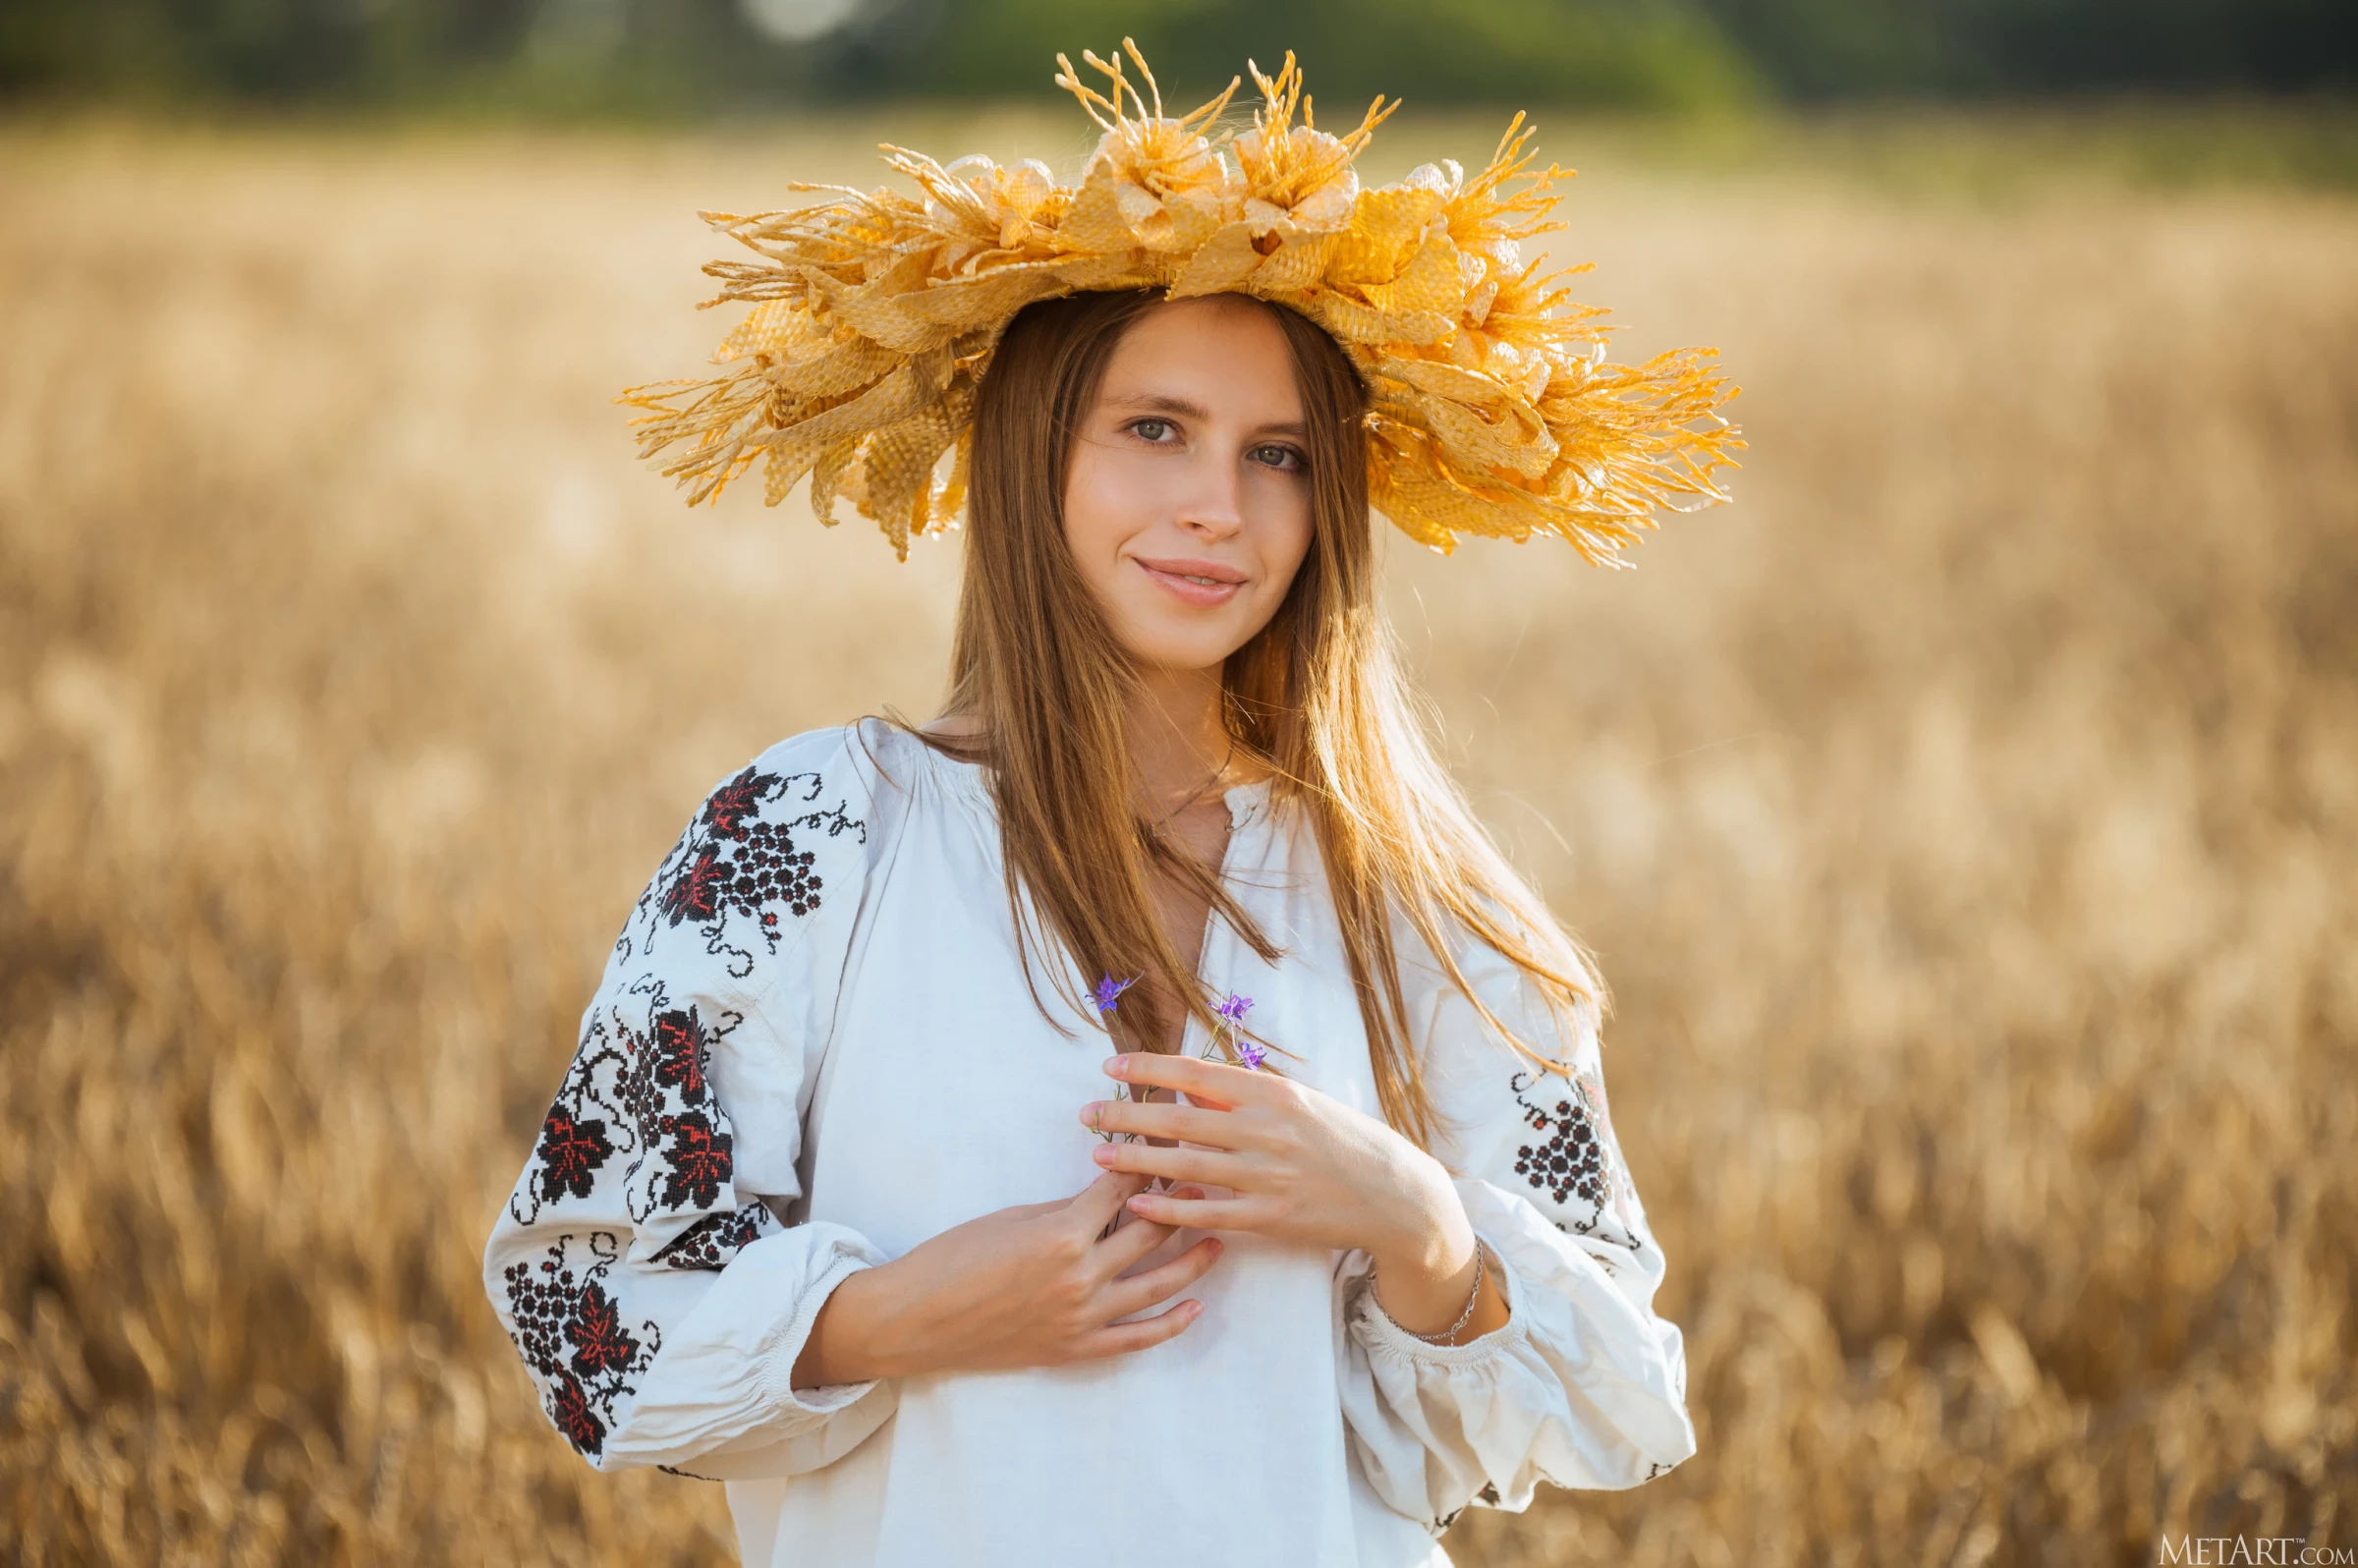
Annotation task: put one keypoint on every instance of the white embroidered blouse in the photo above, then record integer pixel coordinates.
(813, 1048)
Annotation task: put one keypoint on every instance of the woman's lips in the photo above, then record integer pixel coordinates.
(1204, 595)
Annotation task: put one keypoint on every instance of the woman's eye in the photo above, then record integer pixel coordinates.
(1285, 459)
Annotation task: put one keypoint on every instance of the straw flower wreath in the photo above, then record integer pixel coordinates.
(1493, 408)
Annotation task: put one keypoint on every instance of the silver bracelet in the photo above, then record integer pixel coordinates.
(1449, 1333)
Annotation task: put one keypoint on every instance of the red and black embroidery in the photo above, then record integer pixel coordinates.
(1579, 1158)
(665, 1062)
(696, 1163)
(679, 1051)
(571, 1332)
(735, 860)
(730, 805)
(642, 1094)
(635, 1141)
(1572, 1160)
(571, 1151)
(586, 1127)
(712, 1241)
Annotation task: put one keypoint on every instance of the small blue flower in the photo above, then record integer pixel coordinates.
(1233, 1009)
(1110, 990)
(1252, 1053)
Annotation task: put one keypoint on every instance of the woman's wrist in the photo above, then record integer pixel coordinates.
(1426, 1264)
(848, 1338)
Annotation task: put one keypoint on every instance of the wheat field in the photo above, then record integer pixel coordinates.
(1966, 818)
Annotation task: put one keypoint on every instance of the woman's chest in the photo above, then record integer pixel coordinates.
(956, 1071)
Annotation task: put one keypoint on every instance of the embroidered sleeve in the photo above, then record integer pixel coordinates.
(1585, 1386)
(642, 1264)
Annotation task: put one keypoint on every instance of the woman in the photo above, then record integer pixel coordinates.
(1283, 1223)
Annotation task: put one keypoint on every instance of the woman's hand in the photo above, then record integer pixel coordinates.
(1301, 1166)
(1035, 1285)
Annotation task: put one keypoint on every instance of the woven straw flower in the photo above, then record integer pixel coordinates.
(1493, 411)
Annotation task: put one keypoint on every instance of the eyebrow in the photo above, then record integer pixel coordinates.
(1164, 403)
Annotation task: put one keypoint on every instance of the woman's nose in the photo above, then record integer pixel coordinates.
(1213, 501)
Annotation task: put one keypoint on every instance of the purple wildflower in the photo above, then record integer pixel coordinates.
(1231, 1013)
(1110, 990)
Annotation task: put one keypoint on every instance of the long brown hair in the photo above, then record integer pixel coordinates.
(1317, 695)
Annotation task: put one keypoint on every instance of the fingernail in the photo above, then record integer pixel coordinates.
(1103, 1153)
(1140, 1204)
(1091, 1112)
(1115, 1067)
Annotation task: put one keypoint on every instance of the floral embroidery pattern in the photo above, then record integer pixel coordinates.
(712, 1241)
(636, 1150)
(645, 1093)
(678, 1054)
(571, 1332)
(570, 1152)
(1572, 1160)
(736, 861)
(1578, 1158)
(696, 1164)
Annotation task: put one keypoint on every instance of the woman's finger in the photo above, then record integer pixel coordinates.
(1193, 1077)
(1096, 1205)
(1141, 1291)
(1119, 1339)
(1214, 1214)
(1214, 1167)
(1128, 1243)
(1219, 1129)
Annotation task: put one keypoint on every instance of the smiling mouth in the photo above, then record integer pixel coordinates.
(1201, 590)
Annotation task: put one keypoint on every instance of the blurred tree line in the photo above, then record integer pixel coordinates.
(669, 57)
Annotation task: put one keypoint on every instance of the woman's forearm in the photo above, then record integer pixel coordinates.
(1033, 1285)
(1423, 1276)
(850, 1340)
(1425, 1303)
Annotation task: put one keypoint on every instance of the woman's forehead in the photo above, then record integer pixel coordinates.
(1212, 357)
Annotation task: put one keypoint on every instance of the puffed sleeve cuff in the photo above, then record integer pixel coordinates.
(719, 1399)
(1581, 1386)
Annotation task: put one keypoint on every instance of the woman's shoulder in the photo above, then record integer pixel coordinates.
(827, 755)
(775, 850)
(864, 759)
(812, 785)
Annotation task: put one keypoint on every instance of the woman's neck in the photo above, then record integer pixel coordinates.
(1177, 737)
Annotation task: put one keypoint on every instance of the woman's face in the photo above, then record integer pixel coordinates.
(1192, 464)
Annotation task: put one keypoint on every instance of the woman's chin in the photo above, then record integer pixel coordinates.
(1158, 644)
(1177, 655)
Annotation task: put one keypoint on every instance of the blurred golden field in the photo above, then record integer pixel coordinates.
(1967, 820)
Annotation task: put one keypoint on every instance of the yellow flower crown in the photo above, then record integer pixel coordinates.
(1491, 410)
